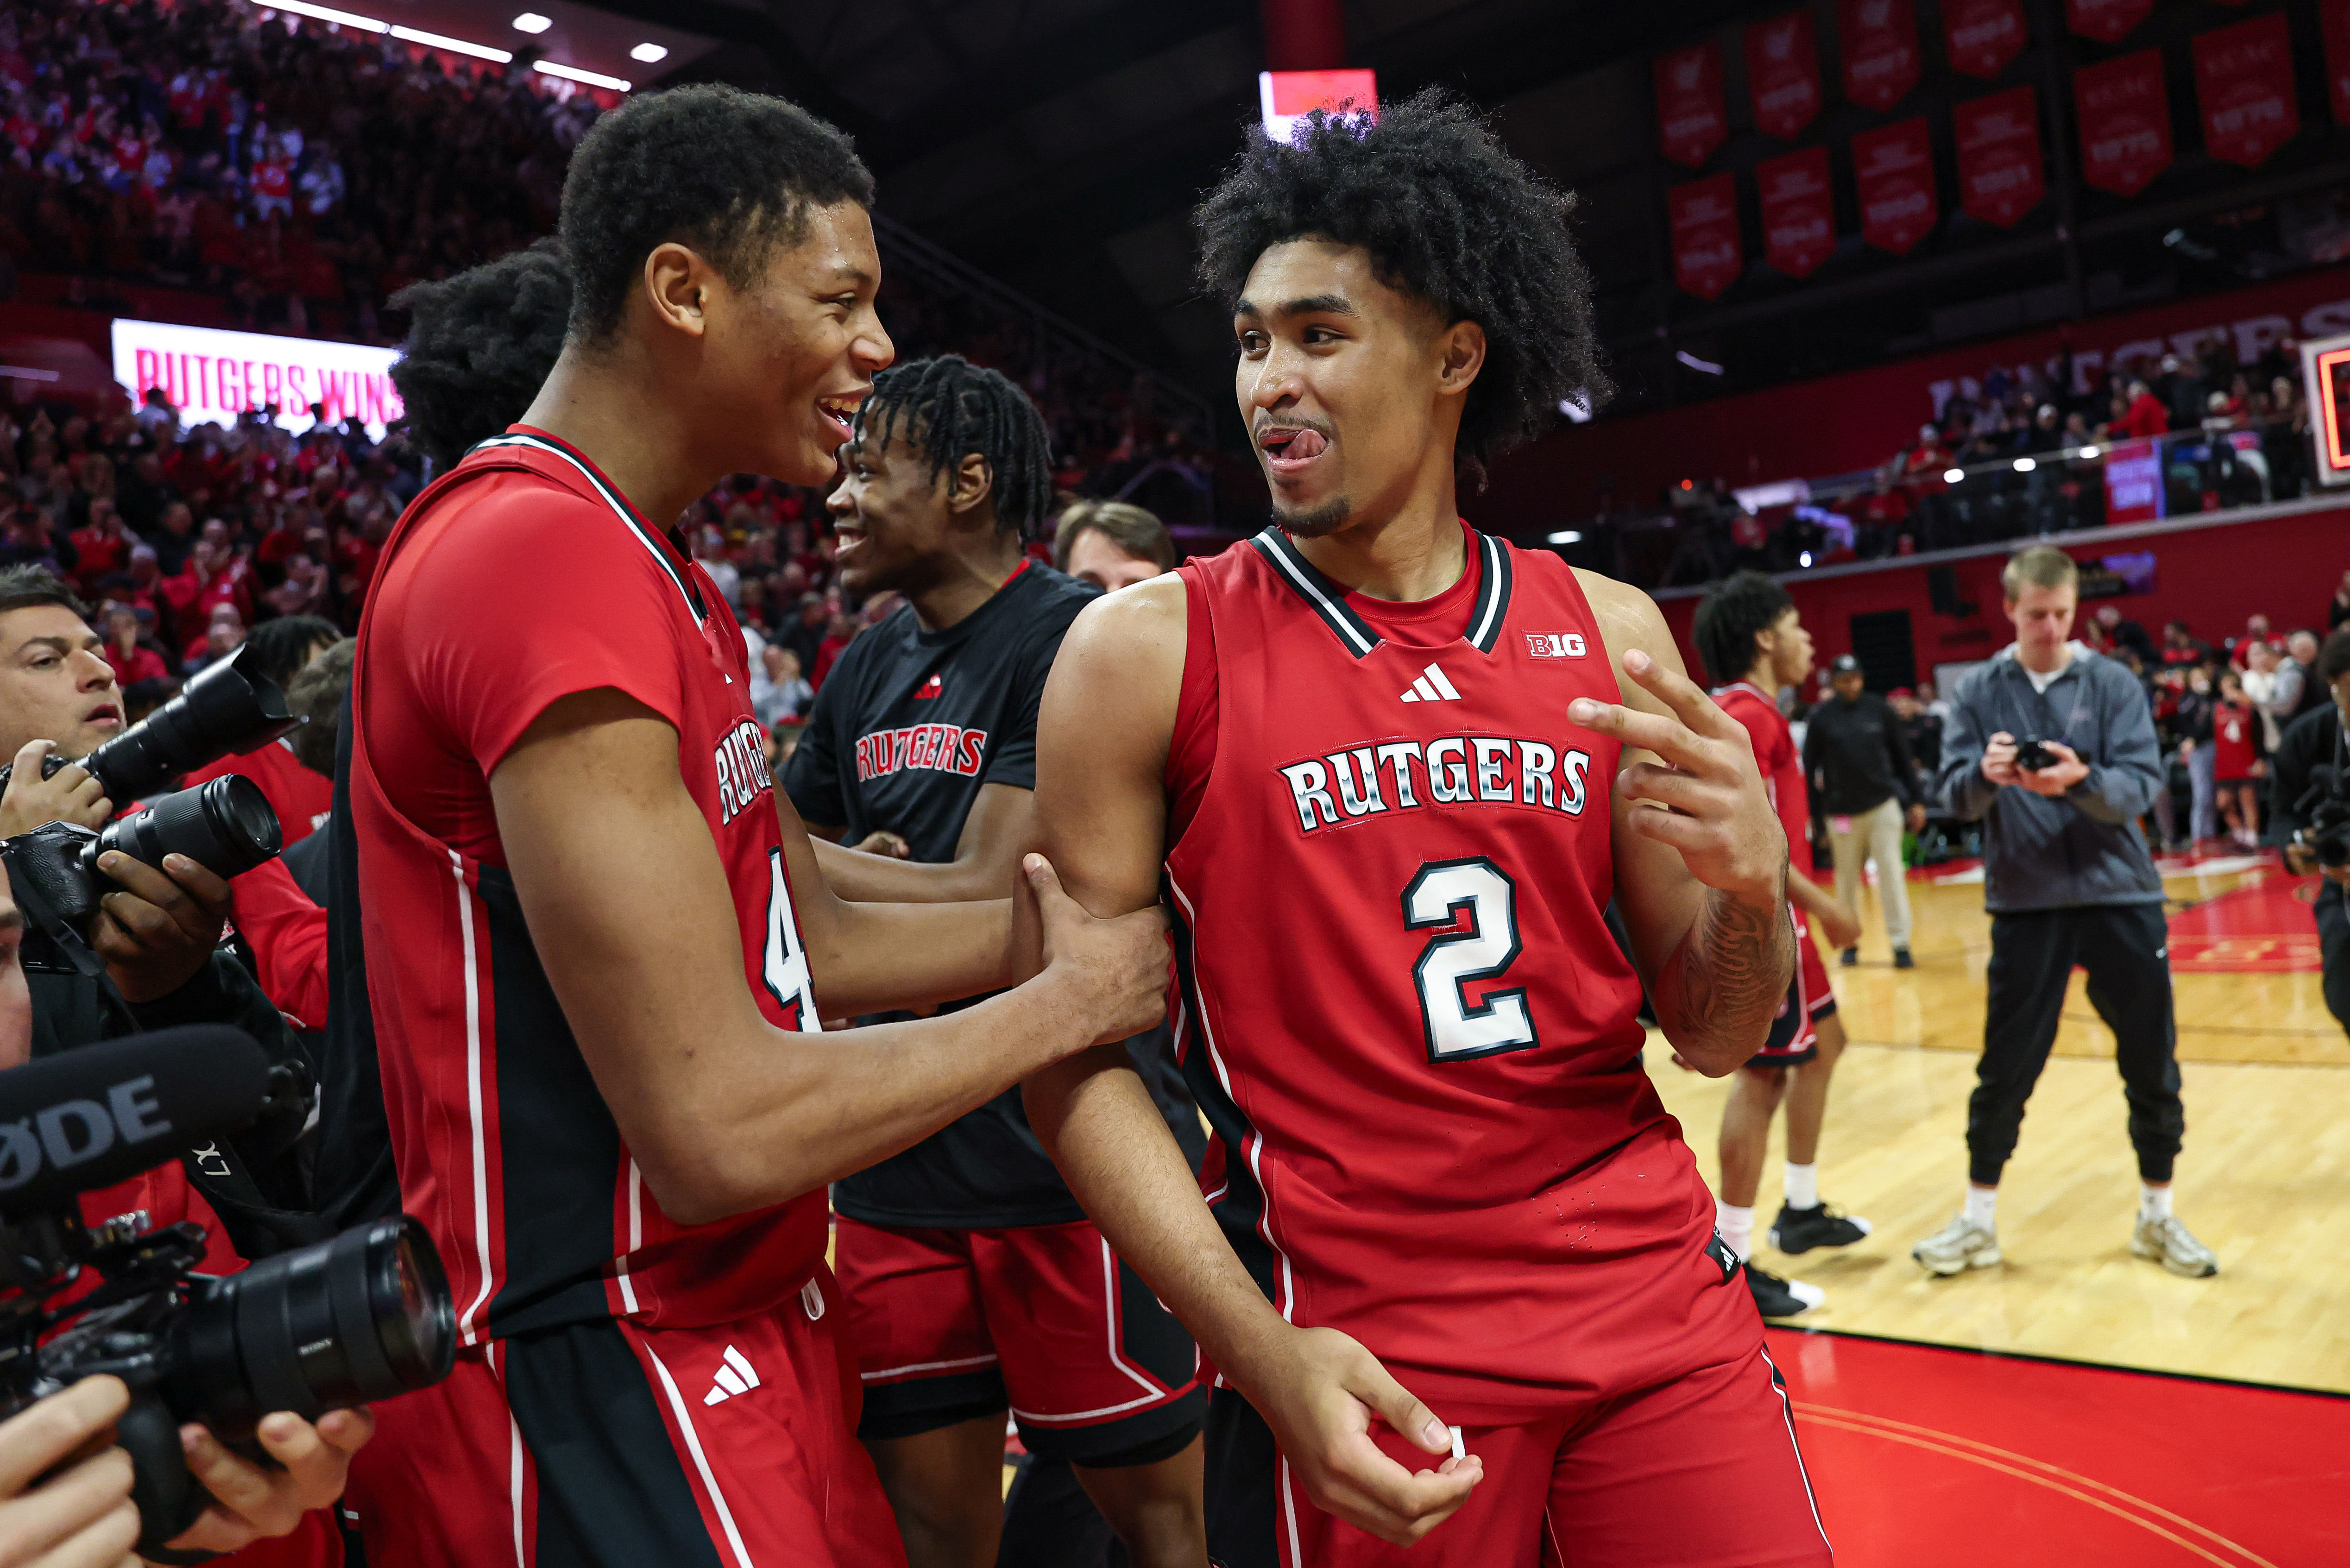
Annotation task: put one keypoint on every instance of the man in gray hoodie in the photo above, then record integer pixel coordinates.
(2053, 747)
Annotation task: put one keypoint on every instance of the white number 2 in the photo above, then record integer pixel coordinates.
(1453, 957)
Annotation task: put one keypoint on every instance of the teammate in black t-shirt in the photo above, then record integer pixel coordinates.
(973, 1279)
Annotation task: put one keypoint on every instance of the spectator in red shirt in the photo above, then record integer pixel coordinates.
(133, 659)
(2146, 416)
(842, 632)
(223, 635)
(103, 548)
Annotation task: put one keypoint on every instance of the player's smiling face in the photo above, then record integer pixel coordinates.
(1351, 388)
(894, 518)
(812, 345)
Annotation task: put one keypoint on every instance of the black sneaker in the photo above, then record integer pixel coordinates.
(1801, 1230)
(1901, 958)
(1849, 958)
(1775, 1297)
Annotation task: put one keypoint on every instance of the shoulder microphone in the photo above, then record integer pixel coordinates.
(101, 1113)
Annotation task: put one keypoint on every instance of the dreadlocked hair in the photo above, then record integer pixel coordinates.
(1448, 215)
(950, 408)
(480, 346)
(1740, 606)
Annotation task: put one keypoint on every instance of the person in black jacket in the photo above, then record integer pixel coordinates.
(1856, 757)
(2319, 739)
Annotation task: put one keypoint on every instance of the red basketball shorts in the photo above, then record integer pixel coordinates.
(1044, 1320)
(1795, 1033)
(1699, 1472)
(606, 1445)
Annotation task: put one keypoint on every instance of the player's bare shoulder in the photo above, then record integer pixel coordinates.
(1628, 618)
(1120, 668)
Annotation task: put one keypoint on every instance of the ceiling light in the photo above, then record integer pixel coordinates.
(327, 14)
(532, 22)
(1568, 537)
(651, 54)
(1952, 475)
(2024, 465)
(1804, 559)
(2088, 452)
(1703, 366)
(454, 45)
(574, 74)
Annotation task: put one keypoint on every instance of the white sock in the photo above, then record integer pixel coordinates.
(1983, 1202)
(1737, 1228)
(1803, 1185)
(2153, 1202)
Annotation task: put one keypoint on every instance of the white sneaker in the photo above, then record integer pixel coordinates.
(1957, 1247)
(2170, 1243)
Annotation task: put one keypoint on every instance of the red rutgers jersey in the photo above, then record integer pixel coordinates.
(1402, 1010)
(1780, 763)
(520, 577)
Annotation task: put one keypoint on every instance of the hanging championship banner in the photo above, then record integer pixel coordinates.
(1893, 172)
(1707, 255)
(1798, 211)
(1783, 74)
(2125, 114)
(2000, 174)
(1982, 35)
(1691, 118)
(2333, 19)
(2243, 84)
(1880, 51)
(2107, 21)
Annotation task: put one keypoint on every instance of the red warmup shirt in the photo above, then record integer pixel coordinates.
(300, 798)
(1400, 1007)
(505, 1149)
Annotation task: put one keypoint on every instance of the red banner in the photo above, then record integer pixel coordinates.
(1707, 253)
(1783, 74)
(2107, 21)
(1880, 51)
(2243, 82)
(1691, 118)
(2334, 18)
(1982, 35)
(2125, 113)
(1893, 170)
(2000, 174)
(1798, 211)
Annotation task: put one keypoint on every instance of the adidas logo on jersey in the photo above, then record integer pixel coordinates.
(933, 687)
(735, 1377)
(1431, 686)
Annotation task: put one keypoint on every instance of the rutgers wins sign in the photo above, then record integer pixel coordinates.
(1798, 211)
(1691, 120)
(1707, 255)
(2125, 113)
(2243, 83)
(1783, 74)
(1880, 51)
(2000, 176)
(1893, 169)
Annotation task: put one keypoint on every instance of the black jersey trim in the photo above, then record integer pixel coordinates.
(1322, 596)
(1493, 595)
(612, 498)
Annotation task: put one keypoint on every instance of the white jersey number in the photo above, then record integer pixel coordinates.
(785, 970)
(1484, 950)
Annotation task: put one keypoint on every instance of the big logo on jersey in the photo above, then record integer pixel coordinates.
(741, 764)
(942, 748)
(1358, 781)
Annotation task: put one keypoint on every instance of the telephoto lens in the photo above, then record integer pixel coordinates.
(226, 825)
(365, 1316)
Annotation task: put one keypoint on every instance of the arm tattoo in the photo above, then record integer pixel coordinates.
(1730, 976)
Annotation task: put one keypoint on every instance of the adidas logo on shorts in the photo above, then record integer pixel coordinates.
(735, 1377)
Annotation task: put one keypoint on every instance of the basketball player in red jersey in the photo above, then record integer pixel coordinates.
(595, 937)
(1753, 640)
(1389, 771)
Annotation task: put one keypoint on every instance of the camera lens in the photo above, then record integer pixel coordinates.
(225, 826)
(232, 707)
(363, 1316)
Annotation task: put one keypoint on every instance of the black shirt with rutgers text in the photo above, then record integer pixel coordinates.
(909, 725)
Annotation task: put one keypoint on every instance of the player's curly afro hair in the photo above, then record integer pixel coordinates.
(1446, 213)
(950, 407)
(729, 172)
(480, 346)
(1740, 606)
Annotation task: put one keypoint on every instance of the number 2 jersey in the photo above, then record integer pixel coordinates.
(518, 578)
(1400, 1006)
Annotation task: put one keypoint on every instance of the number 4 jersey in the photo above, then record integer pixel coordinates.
(1402, 1010)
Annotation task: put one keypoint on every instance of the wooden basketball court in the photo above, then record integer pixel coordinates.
(2267, 1085)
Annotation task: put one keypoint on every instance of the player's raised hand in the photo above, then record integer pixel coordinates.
(1707, 800)
(1119, 966)
(1319, 1394)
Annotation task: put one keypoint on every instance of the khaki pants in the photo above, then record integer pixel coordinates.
(1873, 835)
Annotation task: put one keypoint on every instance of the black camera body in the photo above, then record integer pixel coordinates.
(2033, 755)
(2326, 806)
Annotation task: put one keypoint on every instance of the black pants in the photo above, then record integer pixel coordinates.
(2125, 948)
(2333, 941)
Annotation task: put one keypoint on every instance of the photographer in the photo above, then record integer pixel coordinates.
(2051, 746)
(2320, 740)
